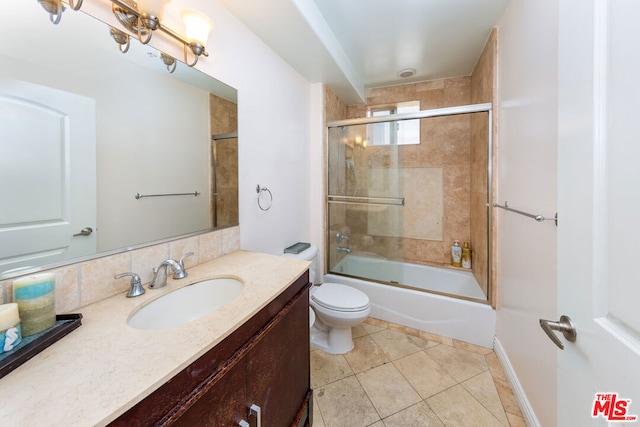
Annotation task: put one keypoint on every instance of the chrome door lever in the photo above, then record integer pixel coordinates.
(564, 325)
(84, 232)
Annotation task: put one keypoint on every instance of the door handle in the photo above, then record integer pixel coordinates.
(564, 325)
(255, 411)
(84, 232)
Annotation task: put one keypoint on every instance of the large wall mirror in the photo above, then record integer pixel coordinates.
(85, 128)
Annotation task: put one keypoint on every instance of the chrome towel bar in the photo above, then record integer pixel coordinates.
(394, 201)
(538, 218)
(139, 196)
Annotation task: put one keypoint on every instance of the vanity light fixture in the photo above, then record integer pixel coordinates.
(55, 8)
(169, 61)
(145, 17)
(142, 18)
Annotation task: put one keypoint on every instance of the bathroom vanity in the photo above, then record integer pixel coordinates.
(259, 373)
(246, 361)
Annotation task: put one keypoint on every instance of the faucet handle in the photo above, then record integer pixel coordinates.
(136, 288)
(181, 271)
(181, 262)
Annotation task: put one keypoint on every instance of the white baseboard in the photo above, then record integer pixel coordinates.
(518, 392)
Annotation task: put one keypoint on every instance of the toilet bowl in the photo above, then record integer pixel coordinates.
(337, 309)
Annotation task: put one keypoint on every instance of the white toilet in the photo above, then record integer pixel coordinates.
(337, 307)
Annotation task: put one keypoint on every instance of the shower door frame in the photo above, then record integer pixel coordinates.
(422, 114)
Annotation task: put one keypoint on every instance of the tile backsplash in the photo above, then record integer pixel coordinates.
(87, 282)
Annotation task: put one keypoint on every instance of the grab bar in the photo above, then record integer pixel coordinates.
(538, 218)
(394, 201)
(139, 196)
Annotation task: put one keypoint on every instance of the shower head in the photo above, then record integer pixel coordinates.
(350, 162)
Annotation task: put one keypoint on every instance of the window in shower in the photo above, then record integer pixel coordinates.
(395, 132)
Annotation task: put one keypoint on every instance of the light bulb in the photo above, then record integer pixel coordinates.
(197, 26)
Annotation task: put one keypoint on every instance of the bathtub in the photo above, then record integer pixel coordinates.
(461, 319)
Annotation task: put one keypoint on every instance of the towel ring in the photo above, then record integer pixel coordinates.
(259, 190)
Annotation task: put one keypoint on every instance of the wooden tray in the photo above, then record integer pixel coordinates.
(30, 346)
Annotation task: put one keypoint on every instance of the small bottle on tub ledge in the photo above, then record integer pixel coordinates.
(466, 255)
(456, 254)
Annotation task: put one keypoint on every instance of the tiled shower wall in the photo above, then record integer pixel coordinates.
(87, 282)
(444, 147)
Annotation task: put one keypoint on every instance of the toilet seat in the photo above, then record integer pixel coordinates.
(334, 296)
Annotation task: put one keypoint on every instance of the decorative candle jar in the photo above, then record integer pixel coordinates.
(35, 296)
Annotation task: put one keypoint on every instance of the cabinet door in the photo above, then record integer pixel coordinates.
(221, 403)
(278, 366)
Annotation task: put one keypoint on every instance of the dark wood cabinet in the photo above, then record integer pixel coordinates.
(265, 363)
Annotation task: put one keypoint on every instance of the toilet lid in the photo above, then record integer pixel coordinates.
(340, 297)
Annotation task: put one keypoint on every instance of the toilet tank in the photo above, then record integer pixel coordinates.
(309, 254)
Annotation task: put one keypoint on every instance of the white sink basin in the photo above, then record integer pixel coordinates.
(186, 304)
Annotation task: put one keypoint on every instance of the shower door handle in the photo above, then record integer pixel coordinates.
(564, 325)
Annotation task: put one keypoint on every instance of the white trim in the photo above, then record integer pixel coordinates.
(518, 392)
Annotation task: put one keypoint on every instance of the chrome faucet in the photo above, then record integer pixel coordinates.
(341, 237)
(160, 273)
(136, 288)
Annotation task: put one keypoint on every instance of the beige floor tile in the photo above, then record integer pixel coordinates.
(507, 398)
(404, 329)
(436, 338)
(358, 331)
(422, 342)
(327, 368)
(365, 355)
(482, 388)
(344, 403)
(371, 329)
(472, 347)
(458, 363)
(419, 415)
(376, 322)
(376, 424)
(317, 415)
(395, 344)
(495, 367)
(516, 421)
(457, 408)
(424, 374)
(388, 390)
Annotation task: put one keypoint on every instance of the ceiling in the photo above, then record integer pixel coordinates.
(352, 45)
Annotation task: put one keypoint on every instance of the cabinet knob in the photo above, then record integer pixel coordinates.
(254, 410)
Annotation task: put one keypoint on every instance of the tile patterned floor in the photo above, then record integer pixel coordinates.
(401, 377)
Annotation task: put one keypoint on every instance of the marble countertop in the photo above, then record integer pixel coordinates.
(103, 368)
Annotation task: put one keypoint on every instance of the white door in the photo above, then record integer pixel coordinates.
(599, 211)
(47, 175)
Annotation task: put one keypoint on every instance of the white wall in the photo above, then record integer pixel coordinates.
(528, 73)
(274, 129)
